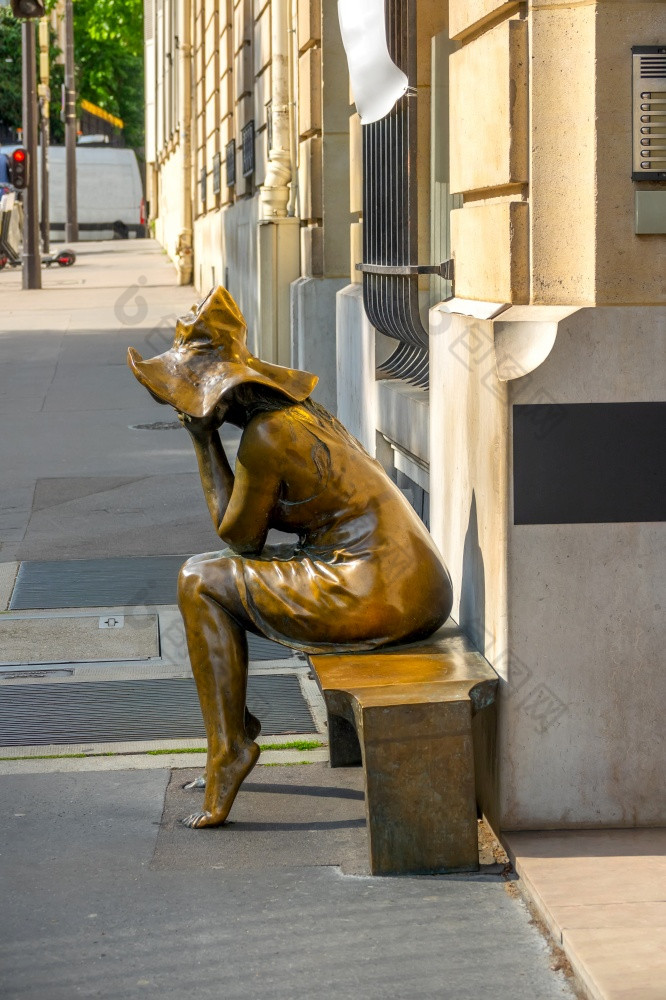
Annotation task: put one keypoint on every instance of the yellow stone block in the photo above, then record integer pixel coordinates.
(309, 23)
(211, 75)
(262, 42)
(488, 110)
(471, 15)
(309, 179)
(212, 117)
(563, 195)
(261, 95)
(490, 249)
(335, 177)
(243, 74)
(309, 91)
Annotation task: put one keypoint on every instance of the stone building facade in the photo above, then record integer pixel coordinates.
(535, 454)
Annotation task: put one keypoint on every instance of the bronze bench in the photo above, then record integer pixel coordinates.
(406, 714)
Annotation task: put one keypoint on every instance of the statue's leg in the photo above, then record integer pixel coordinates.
(217, 644)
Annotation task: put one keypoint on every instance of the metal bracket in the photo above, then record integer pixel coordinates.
(444, 270)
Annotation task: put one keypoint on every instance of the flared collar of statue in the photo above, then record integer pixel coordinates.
(209, 358)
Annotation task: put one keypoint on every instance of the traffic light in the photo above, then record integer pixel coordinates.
(27, 8)
(18, 168)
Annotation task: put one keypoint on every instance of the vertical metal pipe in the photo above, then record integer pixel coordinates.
(72, 222)
(184, 56)
(45, 127)
(275, 189)
(32, 265)
(44, 144)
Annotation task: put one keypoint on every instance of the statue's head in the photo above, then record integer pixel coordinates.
(210, 358)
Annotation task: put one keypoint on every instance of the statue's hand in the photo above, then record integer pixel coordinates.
(202, 428)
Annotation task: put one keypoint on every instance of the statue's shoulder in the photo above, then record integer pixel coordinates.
(264, 436)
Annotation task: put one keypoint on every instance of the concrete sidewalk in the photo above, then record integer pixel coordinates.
(85, 471)
(106, 896)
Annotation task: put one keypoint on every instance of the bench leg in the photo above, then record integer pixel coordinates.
(344, 750)
(420, 797)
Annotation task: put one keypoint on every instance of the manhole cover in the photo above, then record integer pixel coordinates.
(21, 675)
(78, 639)
(157, 425)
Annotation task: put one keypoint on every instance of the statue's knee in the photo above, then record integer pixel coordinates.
(189, 580)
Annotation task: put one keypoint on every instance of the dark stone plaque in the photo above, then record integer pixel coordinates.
(589, 463)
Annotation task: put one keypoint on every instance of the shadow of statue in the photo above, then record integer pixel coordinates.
(473, 583)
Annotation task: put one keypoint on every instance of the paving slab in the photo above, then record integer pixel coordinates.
(602, 894)
(89, 910)
(8, 571)
(75, 408)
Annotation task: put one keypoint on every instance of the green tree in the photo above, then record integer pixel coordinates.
(10, 78)
(108, 49)
(10, 71)
(108, 42)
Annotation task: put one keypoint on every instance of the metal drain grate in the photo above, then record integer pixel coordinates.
(96, 583)
(120, 711)
(265, 649)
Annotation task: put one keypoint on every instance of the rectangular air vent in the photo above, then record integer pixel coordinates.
(247, 141)
(649, 112)
(230, 162)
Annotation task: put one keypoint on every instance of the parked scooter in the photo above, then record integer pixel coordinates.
(64, 258)
(9, 239)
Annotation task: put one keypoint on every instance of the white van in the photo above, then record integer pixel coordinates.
(108, 188)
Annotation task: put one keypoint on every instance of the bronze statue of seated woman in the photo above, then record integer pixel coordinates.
(365, 572)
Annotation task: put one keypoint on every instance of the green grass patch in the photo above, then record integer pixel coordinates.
(291, 745)
(287, 763)
(294, 745)
(53, 756)
(61, 756)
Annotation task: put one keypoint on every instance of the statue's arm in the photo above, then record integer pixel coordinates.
(217, 479)
(247, 518)
(258, 479)
(240, 505)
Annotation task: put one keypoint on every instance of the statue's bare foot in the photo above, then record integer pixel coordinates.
(252, 730)
(198, 784)
(222, 786)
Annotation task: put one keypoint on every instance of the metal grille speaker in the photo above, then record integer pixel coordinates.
(649, 112)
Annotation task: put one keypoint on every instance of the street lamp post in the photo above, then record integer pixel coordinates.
(45, 136)
(72, 224)
(32, 265)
